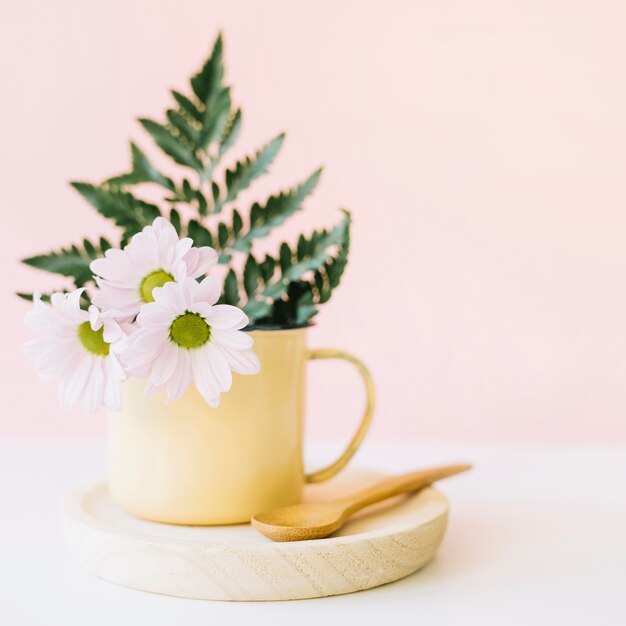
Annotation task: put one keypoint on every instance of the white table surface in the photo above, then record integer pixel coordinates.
(537, 536)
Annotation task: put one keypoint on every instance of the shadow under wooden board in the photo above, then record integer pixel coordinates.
(378, 545)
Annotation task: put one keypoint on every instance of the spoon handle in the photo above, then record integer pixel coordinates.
(396, 485)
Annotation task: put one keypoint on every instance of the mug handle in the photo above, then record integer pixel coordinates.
(332, 469)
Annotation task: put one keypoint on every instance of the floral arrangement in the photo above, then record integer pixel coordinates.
(154, 307)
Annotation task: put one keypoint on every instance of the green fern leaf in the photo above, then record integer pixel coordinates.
(128, 212)
(200, 235)
(175, 220)
(173, 145)
(209, 79)
(182, 124)
(291, 298)
(230, 293)
(237, 222)
(275, 211)
(29, 297)
(188, 106)
(267, 267)
(231, 132)
(142, 172)
(329, 275)
(284, 257)
(246, 171)
(198, 130)
(251, 276)
(318, 254)
(215, 119)
(203, 207)
(72, 262)
(304, 309)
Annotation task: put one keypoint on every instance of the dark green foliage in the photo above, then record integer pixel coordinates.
(207, 83)
(29, 297)
(239, 236)
(175, 219)
(230, 293)
(142, 172)
(128, 212)
(263, 218)
(73, 261)
(246, 171)
(231, 132)
(200, 235)
(195, 133)
(173, 143)
(278, 291)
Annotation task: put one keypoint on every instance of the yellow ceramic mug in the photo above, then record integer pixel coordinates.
(186, 463)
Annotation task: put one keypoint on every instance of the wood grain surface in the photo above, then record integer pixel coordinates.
(378, 545)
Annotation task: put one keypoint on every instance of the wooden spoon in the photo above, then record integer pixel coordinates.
(299, 522)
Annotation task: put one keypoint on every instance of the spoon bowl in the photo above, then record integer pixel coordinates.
(300, 522)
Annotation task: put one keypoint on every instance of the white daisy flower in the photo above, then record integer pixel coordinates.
(183, 337)
(153, 257)
(76, 346)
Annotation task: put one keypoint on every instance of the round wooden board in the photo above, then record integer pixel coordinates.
(381, 544)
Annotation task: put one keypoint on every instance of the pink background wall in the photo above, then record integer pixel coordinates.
(481, 146)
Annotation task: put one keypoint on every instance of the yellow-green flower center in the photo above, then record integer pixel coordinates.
(190, 330)
(93, 340)
(156, 279)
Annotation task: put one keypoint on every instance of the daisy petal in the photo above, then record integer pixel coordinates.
(72, 303)
(156, 248)
(150, 348)
(219, 367)
(152, 390)
(203, 375)
(241, 361)
(60, 352)
(73, 385)
(112, 331)
(94, 389)
(148, 340)
(181, 378)
(170, 296)
(182, 247)
(94, 318)
(164, 364)
(114, 367)
(179, 271)
(226, 317)
(208, 291)
(126, 300)
(36, 347)
(189, 290)
(213, 402)
(234, 339)
(154, 314)
(200, 260)
(113, 394)
(58, 359)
